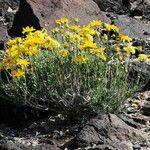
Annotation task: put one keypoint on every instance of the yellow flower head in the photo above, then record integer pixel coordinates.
(88, 45)
(22, 62)
(95, 23)
(139, 48)
(74, 27)
(64, 53)
(142, 57)
(28, 29)
(117, 48)
(111, 27)
(55, 30)
(129, 49)
(88, 30)
(76, 20)
(17, 73)
(80, 59)
(62, 21)
(124, 38)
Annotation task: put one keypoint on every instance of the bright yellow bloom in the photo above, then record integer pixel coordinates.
(53, 44)
(87, 37)
(95, 23)
(12, 42)
(66, 45)
(17, 73)
(111, 27)
(120, 57)
(88, 45)
(62, 21)
(28, 29)
(32, 51)
(64, 53)
(142, 57)
(88, 30)
(76, 20)
(8, 62)
(124, 38)
(139, 48)
(100, 53)
(117, 48)
(55, 30)
(74, 27)
(22, 62)
(129, 49)
(75, 38)
(80, 59)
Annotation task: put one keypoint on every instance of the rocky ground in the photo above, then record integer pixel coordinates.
(129, 130)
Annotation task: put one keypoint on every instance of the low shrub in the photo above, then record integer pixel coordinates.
(70, 66)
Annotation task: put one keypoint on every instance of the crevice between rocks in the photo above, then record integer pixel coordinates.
(24, 17)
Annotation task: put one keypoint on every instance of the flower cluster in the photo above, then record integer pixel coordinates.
(96, 41)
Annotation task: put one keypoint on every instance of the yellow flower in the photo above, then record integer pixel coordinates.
(95, 23)
(124, 38)
(74, 27)
(142, 57)
(129, 49)
(139, 48)
(76, 20)
(87, 37)
(75, 38)
(111, 27)
(117, 48)
(28, 29)
(80, 59)
(17, 73)
(32, 51)
(22, 62)
(8, 62)
(88, 45)
(55, 30)
(120, 57)
(62, 21)
(64, 53)
(12, 42)
(88, 30)
(100, 53)
(66, 45)
(53, 44)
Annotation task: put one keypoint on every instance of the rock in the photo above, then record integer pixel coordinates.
(42, 13)
(116, 6)
(140, 7)
(132, 27)
(3, 37)
(109, 130)
(25, 144)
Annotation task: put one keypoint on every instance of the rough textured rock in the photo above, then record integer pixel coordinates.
(117, 6)
(140, 7)
(14, 15)
(49, 10)
(132, 27)
(25, 145)
(108, 130)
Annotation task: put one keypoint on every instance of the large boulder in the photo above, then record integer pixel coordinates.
(42, 13)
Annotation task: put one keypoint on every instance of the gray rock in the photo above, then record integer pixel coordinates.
(109, 130)
(132, 27)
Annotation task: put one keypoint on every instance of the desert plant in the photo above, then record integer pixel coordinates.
(70, 66)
